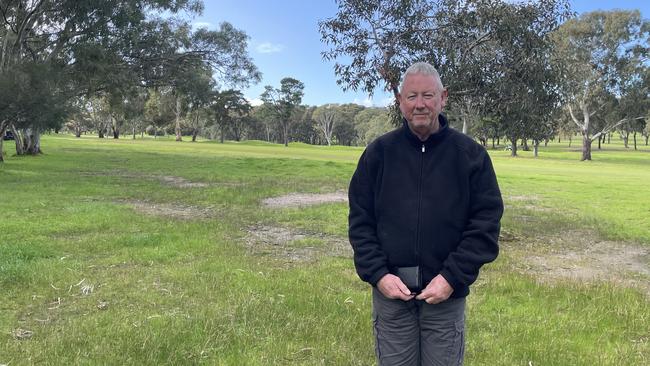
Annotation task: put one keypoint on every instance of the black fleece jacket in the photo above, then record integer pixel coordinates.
(435, 204)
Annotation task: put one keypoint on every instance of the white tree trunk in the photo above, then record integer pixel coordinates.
(177, 111)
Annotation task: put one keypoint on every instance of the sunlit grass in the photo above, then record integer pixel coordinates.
(184, 290)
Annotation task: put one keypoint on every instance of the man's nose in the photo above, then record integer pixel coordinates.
(419, 102)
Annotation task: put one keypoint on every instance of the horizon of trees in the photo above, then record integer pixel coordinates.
(516, 72)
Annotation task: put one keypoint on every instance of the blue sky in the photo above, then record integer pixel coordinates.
(284, 41)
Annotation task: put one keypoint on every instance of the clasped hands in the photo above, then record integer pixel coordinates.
(438, 290)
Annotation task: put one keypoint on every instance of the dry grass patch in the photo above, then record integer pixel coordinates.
(180, 182)
(305, 199)
(176, 211)
(170, 180)
(294, 246)
(581, 256)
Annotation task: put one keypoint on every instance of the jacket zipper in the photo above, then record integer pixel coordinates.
(417, 232)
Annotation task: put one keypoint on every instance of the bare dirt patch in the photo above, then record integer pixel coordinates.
(305, 199)
(180, 182)
(176, 211)
(582, 256)
(294, 245)
(170, 180)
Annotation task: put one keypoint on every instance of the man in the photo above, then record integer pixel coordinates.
(424, 217)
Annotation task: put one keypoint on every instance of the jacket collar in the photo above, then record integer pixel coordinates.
(443, 130)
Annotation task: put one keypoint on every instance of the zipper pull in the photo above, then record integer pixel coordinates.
(422, 148)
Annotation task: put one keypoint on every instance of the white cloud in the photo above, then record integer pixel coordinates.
(255, 101)
(367, 102)
(198, 25)
(370, 102)
(387, 101)
(268, 47)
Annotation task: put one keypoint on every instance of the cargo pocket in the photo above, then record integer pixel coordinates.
(376, 334)
(456, 350)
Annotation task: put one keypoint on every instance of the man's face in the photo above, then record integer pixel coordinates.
(421, 100)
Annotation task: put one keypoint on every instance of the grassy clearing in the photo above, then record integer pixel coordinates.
(107, 260)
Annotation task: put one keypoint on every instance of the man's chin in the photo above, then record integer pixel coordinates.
(421, 122)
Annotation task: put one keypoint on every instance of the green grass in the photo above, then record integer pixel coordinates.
(189, 290)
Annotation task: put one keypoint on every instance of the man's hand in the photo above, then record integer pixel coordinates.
(393, 288)
(438, 290)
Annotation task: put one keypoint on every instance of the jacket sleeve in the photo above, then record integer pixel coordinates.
(479, 240)
(369, 259)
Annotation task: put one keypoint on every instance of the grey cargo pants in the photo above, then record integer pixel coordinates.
(415, 333)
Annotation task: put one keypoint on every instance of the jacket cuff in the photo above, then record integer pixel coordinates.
(378, 276)
(451, 279)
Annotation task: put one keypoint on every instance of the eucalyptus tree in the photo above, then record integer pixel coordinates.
(36, 97)
(52, 35)
(373, 41)
(378, 125)
(229, 107)
(283, 101)
(304, 129)
(264, 118)
(159, 108)
(99, 45)
(599, 54)
(325, 118)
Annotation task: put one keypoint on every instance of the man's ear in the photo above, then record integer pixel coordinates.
(444, 95)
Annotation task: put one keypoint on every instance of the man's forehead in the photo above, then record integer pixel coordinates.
(422, 81)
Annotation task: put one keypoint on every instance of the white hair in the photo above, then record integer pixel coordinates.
(422, 68)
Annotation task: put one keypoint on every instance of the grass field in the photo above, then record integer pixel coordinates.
(132, 252)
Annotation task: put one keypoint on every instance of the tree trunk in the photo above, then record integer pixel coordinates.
(194, 133)
(609, 138)
(223, 133)
(285, 132)
(570, 139)
(646, 140)
(524, 145)
(100, 133)
(634, 140)
(559, 138)
(513, 142)
(626, 137)
(3, 128)
(586, 147)
(599, 139)
(116, 133)
(28, 141)
(77, 132)
(18, 139)
(499, 141)
(545, 142)
(134, 133)
(535, 147)
(35, 147)
(465, 126)
(177, 129)
(493, 147)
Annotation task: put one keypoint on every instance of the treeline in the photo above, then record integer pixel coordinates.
(117, 64)
(515, 71)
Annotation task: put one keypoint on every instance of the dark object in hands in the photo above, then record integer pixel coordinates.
(411, 278)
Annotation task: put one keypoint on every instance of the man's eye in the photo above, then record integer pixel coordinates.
(428, 96)
(411, 97)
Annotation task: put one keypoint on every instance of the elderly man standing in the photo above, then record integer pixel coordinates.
(424, 217)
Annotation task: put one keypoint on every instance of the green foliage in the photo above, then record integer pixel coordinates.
(283, 101)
